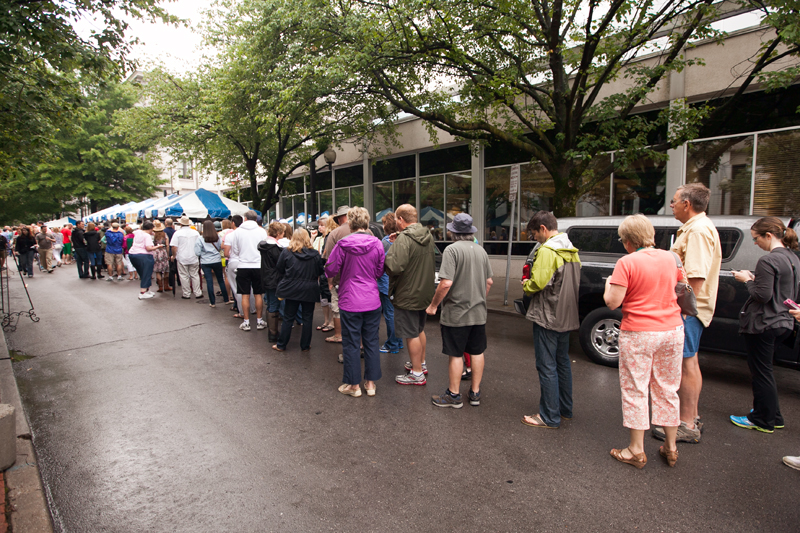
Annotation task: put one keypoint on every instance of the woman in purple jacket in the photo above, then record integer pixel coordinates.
(358, 260)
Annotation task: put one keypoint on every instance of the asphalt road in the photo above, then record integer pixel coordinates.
(161, 415)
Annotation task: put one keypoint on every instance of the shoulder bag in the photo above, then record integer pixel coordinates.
(687, 300)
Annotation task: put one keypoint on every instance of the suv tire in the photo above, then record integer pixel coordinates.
(599, 336)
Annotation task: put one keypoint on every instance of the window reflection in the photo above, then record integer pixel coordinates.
(725, 167)
(431, 213)
(640, 188)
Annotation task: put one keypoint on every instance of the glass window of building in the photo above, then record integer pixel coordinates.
(396, 168)
(725, 166)
(640, 188)
(776, 191)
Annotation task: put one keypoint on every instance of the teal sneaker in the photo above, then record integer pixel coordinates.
(744, 422)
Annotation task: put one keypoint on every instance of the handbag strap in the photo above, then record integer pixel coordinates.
(680, 265)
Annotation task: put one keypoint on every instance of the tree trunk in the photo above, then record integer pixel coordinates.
(312, 201)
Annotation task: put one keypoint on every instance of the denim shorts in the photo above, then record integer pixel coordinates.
(692, 330)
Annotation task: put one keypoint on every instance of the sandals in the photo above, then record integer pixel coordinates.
(635, 460)
(372, 391)
(237, 315)
(355, 393)
(670, 456)
(537, 422)
(275, 347)
(334, 339)
(324, 328)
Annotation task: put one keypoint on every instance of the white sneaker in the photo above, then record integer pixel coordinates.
(792, 462)
(119, 278)
(145, 295)
(110, 278)
(261, 324)
(244, 326)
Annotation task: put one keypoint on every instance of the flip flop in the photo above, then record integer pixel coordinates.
(326, 329)
(333, 340)
(537, 423)
(237, 315)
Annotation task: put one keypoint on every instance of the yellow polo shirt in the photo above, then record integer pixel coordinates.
(698, 246)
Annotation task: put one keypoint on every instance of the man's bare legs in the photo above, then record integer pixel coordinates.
(246, 306)
(416, 352)
(689, 392)
(477, 372)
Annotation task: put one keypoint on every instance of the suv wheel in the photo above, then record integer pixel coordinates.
(599, 336)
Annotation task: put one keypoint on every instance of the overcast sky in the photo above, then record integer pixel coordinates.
(178, 48)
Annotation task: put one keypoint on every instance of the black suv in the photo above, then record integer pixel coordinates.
(598, 244)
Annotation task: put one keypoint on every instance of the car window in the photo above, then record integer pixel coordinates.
(596, 240)
(606, 240)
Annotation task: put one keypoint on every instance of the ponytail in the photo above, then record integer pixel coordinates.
(790, 239)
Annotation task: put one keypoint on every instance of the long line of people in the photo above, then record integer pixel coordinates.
(359, 275)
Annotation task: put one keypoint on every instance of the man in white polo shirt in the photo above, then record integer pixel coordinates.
(243, 243)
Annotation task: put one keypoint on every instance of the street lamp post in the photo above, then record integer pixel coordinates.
(330, 159)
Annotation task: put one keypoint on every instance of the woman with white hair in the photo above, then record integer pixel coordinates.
(650, 338)
(358, 260)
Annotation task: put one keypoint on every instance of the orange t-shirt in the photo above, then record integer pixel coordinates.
(650, 303)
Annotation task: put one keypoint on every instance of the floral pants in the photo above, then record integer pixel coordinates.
(650, 361)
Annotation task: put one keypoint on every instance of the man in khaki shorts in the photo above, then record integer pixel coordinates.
(115, 239)
(697, 244)
(411, 267)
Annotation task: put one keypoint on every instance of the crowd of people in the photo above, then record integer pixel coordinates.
(360, 272)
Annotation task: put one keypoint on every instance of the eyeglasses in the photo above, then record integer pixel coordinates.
(755, 239)
(673, 202)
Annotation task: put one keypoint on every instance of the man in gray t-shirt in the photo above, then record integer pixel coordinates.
(466, 278)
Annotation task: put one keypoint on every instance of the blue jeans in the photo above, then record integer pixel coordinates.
(216, 268)
(271, 299)
(82, 261)
(357, 329)
(293, 308)
(392, 343)
(26, 262)
(555, 374)
(95, 259)
(143, 263)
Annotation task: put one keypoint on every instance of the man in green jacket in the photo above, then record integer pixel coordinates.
(554, 283)
(411, 267)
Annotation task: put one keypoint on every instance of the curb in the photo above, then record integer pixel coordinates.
(25, 494)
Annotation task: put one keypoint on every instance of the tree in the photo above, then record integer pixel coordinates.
(44, 62)
(259, 108)
(93, 166)
(532, 73)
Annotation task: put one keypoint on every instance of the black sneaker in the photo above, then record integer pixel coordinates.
(467, 375)
(474, 398)
(447, 400)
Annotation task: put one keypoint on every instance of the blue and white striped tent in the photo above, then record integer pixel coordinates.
(154, 207)
(200, 204)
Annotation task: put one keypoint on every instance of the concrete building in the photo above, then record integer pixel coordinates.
(749, 164)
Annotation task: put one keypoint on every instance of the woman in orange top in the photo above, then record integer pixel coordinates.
(650, 339)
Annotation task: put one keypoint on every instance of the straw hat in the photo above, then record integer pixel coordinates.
(158, 226)
(185, 221)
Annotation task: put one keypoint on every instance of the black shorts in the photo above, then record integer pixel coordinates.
(248, 279)
(470, 339)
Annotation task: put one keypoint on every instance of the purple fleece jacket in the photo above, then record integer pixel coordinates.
(358, 259)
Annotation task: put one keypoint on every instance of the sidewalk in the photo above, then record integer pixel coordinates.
(25, 496)
(495, 300)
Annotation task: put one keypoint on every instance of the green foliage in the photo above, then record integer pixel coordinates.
(92, 165)
(261, 108)
(44, 64)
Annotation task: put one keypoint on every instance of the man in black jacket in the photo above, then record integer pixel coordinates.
(270, 252)
(79, 248)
